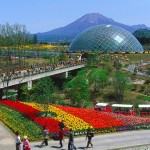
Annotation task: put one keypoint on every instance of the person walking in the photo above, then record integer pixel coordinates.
(61, 124)
(45, 136)
(18, 141)
(26, 144)
(61, 136)
(71, 145)
(89, 135)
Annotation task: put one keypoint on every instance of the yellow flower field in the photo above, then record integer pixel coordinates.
(71, 121)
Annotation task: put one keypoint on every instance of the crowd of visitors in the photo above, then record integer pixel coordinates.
(25, 144)
(60, 137)
(33, 70)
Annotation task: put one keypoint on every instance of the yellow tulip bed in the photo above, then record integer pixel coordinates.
(71, 121)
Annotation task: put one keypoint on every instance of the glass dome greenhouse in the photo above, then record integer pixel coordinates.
(105, 38)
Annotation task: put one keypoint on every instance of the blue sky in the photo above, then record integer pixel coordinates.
(45, 15)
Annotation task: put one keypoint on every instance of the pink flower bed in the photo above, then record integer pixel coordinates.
(132, 120)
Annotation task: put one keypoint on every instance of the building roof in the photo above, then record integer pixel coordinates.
(101, 104)
(105, 38)
(121, 105)
(144, 106)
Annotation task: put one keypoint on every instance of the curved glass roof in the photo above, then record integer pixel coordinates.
(105, 38)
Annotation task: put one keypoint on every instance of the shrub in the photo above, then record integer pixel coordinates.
(147, 81)
(145, 98)
(134, 87)
(126, 65)
(142, 89)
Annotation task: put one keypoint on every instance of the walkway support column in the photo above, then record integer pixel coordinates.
(66, 75)
(29, 85)
(1, 93)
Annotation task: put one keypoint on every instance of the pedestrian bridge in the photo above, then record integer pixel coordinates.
(27, 76)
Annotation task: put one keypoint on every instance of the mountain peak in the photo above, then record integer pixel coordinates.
(93, 14)
(94, 18)
(71, 30)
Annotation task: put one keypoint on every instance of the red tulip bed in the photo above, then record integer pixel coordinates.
(98, 120)
(31, 113)
(79, 118)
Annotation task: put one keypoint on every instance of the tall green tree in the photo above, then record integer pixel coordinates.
(92, 59)
(121, 83)
(35, 39)
(99, 79)
(43, 92)
(12, 37)
(78, 90)
(62, 57)
(1, 93)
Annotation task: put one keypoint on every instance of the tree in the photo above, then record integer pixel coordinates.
(12, 37)
(147, 91)
(99, 79)
(92, 59)
(78, 90)
(117, 64)
(148, 70)
(120, 82)
(1, 93)
(24, 94)
(135, 70)
(35, 39)
(62, 57)
(43, 92)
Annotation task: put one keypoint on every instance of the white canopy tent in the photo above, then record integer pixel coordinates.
(144, 110)
(122, 105)
(123, 109)
(144, 106)
(102, 107)
(101, 104)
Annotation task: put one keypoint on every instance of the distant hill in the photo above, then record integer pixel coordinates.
(68, 32)
(143, 36)
(142, 33)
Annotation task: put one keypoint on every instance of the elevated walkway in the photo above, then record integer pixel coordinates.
(29, 77)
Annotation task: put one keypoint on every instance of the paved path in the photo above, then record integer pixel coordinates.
(106, 141)
(6, 138)
(133, 66)
(109, 141)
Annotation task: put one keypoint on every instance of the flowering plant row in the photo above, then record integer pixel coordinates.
(17, 122)
(97, 119)
(79, 119)
(71, 121)
(130, 120)
(32, 113)
(78, 122)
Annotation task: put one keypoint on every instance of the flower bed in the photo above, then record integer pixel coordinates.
(96, 119)
(130, 120)
(71, 121)
(79, 119)
(16, 122)
(31, 112)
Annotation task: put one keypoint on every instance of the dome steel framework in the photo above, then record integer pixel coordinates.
(105, 38)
